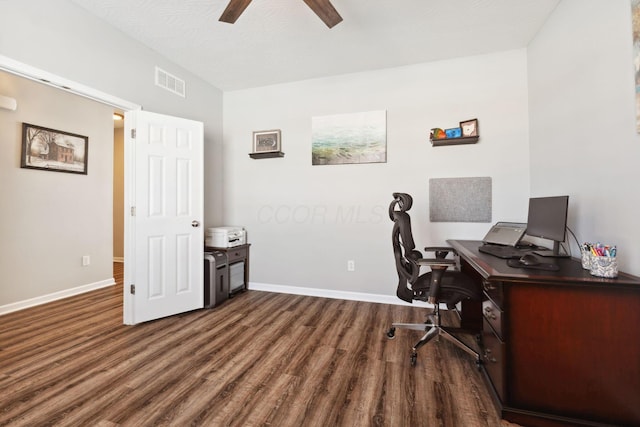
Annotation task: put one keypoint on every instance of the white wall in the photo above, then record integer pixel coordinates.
(573, 87)
(63, 39)
(305, 222)
(582, 120)
(59, 37)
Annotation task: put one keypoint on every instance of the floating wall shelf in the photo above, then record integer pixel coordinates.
(455, 141)
(266, 155)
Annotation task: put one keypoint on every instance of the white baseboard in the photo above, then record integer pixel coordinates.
(326, 293)
(21, 305)
(283, 289)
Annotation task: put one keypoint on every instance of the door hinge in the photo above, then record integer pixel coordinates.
(133, 211)
(133, 134)
(133, 289)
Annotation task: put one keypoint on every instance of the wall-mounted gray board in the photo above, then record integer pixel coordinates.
(460, 199)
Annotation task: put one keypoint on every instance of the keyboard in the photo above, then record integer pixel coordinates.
(505, 252)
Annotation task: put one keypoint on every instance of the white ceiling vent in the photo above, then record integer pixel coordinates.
(170, 82)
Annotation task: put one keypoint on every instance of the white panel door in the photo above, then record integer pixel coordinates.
(163, 272)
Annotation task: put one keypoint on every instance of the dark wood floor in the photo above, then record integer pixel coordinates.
(261, 359)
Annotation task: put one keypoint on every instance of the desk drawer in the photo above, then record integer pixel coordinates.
(494, 290)
(493, 359)
(493, 315)
(234, 255)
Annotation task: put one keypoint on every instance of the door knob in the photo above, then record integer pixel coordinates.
(195, 224)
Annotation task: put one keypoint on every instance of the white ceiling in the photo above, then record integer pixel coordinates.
(277, 41)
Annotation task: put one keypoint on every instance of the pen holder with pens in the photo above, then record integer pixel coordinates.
(586, 259)
(600, 260)
(604, 266)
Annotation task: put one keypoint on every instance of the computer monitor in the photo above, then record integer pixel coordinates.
(548, 220)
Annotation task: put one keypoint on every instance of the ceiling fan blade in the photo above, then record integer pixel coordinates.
(325, 11)
(234, 10)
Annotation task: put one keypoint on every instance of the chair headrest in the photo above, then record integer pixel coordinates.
(403, 201)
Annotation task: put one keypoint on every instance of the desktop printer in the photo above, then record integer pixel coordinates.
(225, 237)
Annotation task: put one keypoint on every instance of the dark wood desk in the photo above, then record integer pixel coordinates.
(560, 348)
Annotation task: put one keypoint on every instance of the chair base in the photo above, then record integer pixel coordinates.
(434, 329)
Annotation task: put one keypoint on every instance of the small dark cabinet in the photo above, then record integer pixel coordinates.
(216, 279)
(237, 256)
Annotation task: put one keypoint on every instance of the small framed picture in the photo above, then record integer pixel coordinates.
(266, 141)
(453, 132)
(469, 127)
(53, 150)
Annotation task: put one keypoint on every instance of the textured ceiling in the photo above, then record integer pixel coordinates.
(276, 41)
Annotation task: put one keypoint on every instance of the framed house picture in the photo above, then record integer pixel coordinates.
(266, 141)
(53, 150)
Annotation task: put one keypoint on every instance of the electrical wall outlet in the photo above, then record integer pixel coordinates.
(86, 260)
(351, 265)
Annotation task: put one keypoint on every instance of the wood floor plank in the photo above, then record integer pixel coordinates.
(259, 359)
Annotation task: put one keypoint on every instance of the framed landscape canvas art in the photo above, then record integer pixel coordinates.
(349, 138)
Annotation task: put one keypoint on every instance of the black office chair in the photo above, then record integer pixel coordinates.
(443, 284)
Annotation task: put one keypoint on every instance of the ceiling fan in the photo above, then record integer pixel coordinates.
(323, 8)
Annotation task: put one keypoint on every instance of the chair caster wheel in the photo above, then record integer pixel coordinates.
(414, 358)
(391, 333)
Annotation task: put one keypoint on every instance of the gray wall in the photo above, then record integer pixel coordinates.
(49, 220)
(574, 86)
(61, 38)
(582, 119)
(305, 222)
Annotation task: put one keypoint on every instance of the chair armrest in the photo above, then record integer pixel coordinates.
(440, 248)
(436, 262)
(441, 251)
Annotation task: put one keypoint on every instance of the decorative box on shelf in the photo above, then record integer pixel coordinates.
(466, 133)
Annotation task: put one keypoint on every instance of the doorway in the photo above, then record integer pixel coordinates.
(175, 255)
(118, 187)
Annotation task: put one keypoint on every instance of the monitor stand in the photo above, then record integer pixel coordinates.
(552, 253)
